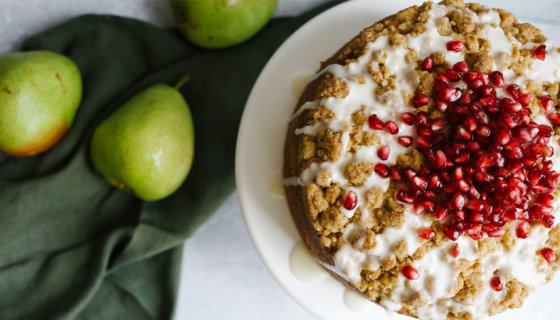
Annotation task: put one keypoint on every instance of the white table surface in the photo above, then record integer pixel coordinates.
(222, 277)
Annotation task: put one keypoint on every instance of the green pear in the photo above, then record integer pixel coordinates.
(40, 92)
(215, 24)
(146, 147)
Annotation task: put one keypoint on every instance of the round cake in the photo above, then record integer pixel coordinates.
(421, 164)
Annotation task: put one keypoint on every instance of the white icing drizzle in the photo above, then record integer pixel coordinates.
(355, 301)
(304, 266)
(438, 274)
(274, 186)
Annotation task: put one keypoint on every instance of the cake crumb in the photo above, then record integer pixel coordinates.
(333, 220)
(331, 87)
(375, 197)
(323, 178)
(358, 172)
(315, 200)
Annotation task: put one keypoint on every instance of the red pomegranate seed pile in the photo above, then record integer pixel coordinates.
(487, 161)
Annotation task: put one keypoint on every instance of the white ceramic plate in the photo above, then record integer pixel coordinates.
(259, 159)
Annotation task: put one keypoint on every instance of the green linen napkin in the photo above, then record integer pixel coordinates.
(71, 246)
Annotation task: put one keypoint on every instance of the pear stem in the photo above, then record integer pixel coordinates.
(184, 78)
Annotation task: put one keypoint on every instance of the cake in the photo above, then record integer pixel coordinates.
(421, 162)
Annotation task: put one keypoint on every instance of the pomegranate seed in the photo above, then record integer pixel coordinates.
(540, 52)
(451, 233)
(476, 217)
(420, 100)
(522, 229)
(422, 118)
(437, 125)
(404, 197)
(485, 91)
(450, 94)
(496, 284)
(441, 159)
(497, 79)
(484, 78)
(513, 91)
(488, 101)
(458, 173)
(459, 215)
(410, 273)
(409, 173)
(470, 124)
(547, 103)
(509, 215)
(405, 141)
(473, 193)
(374, 122)
(434, 182)
(408, 118)
(429, 205)
(391, 127)
(427, 234)
(463, 134)
(452, 75)
(456, 251)
(547, 220)
(441, 213)
(427, 64)
(525, 98)
(461, 66)
(455, 46)
(419, 183)
(502, 136)
(465, 99)
(458, 201)
(554, 118)
(395, 173)
(442, 79)
(544, 130)
(512, 107)
(476, 235)
(462, 159)
(471, 76)
(473, 146)
(441, 105)
(481, 117)
(524, 134)
(475, 205)
(429, 195)
(422, 142)
(496, 233)
(544, 199)
(424, 132)
(381, 169)
(463, 186)
(548, 255)
(350, 200)
(383, 152)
